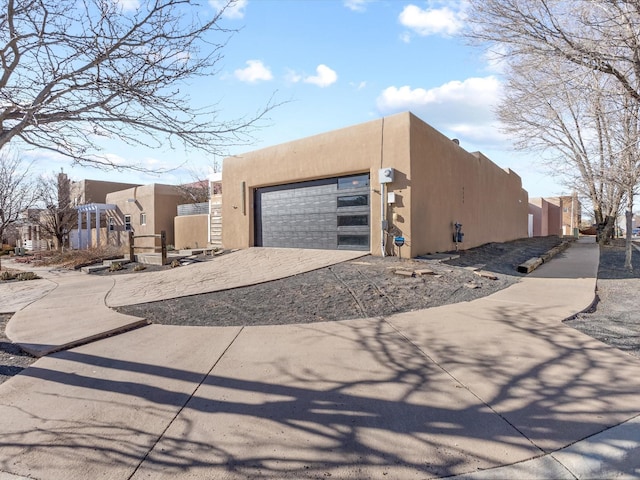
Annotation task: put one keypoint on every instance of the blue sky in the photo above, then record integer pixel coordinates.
(337, 63)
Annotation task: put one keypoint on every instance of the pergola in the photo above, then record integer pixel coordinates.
(88, 209)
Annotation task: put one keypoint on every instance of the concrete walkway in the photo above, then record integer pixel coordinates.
(495, 388)
(71, 308)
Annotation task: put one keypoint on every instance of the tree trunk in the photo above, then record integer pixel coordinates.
(628, 242)
(606, 230)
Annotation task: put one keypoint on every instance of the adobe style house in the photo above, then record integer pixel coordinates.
(366, 186)
(555, 215)
(89, 197)
(144, 210)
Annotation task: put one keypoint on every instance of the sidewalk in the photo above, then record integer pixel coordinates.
(495, 388)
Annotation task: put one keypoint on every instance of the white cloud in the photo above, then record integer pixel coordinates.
(292, 76)
(433, 21)
(356, 5)
(458, 108)
(254, 72)
(234, 10)
(358, 85)
(323, 78)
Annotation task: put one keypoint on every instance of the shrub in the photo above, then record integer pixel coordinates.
(115, 266)
(139, 268)
(7, 275)
(23, 276)
(175, 263)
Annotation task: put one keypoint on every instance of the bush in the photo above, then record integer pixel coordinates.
(74, 259)
(115, 266)
(139, 268)
(26, 276)
(7, 275)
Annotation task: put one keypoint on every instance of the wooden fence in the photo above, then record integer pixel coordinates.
(163, 245)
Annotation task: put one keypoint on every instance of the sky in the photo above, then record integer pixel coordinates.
(337, 63)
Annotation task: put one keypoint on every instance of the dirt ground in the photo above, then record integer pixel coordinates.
(370, 287)
(367, 287)
(615, 318)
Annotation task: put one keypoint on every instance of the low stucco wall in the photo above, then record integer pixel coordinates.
(191, 231)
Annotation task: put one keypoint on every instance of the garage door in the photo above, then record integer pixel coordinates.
(331, 213)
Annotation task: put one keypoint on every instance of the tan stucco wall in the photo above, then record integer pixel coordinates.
(342, 152)
(159, 202)
(452, 185)
(431, 173)
(547, 216)
(191, 231)
(95, 191)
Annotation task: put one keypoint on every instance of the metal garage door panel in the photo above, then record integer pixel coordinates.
(305, 215)
(301, 217)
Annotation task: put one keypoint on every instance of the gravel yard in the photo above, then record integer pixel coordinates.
(371, 287)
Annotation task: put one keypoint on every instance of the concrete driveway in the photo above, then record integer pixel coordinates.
(495, 388)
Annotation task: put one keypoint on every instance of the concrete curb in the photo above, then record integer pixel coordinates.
(534, 262)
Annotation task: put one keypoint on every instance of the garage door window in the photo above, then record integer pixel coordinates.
(353, 220)
(353, 240)
(356, 181)
(353, 201)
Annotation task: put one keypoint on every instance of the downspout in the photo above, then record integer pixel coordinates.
(382, 199)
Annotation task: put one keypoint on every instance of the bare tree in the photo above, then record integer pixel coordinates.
(598, 35)
(74, 72)
(57, 217)
(17, 190)
(625, 173)
(545, 109)
(588, 39)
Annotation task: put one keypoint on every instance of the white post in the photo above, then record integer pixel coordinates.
(79, 230)
(97, 227)
(88, 229)
(382, 218)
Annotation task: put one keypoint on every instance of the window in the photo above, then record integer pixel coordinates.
(353, 240)
(353, 201)
(356, 181)
(112, 224)
(353, 220)
(143, 218)
(127, 222)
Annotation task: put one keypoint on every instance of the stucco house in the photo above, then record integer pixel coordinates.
(144, 210)
(365, 187)
(555, 215)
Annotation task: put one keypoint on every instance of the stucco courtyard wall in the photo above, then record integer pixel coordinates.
(191, 231)
(436, 183)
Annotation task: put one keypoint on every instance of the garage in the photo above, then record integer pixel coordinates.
(331, 213)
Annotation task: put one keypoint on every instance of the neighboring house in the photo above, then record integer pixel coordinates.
(555, 215)
(571, 214)
(547, 216)
(89, 197)
(144, 210)
(95, 191)
(31, 235)
(363, 186)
